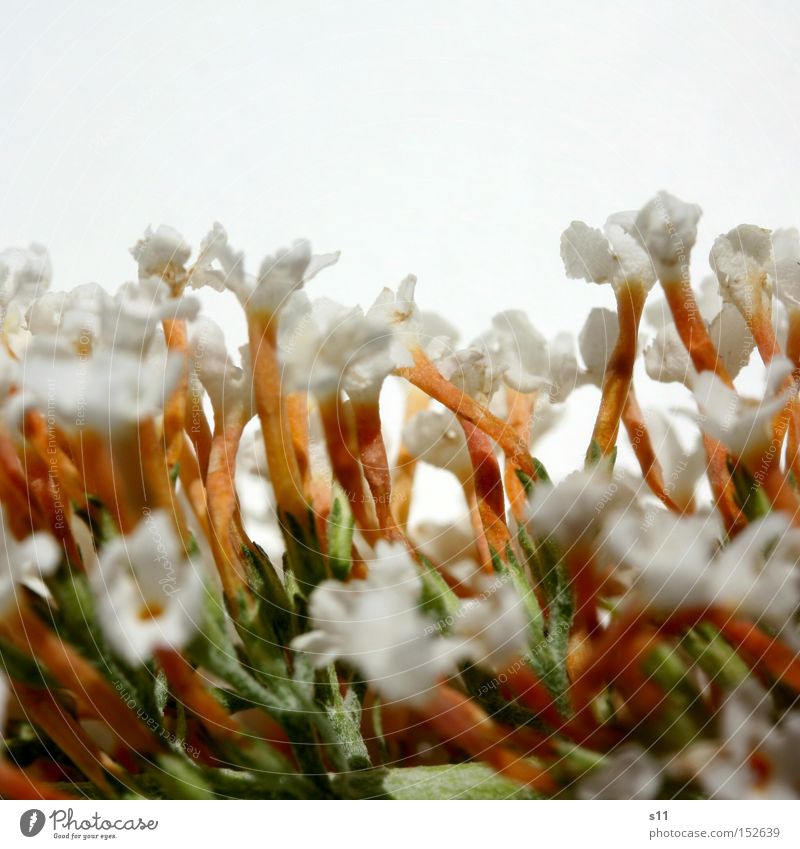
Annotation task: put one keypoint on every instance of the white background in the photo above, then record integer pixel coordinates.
(455, 140)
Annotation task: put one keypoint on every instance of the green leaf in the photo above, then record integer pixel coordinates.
(750, 497)
(23, 668)
(344, 713)
(340, 536)
(460, 781)
(437, 598)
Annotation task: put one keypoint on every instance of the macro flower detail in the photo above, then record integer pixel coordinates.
(229, 569)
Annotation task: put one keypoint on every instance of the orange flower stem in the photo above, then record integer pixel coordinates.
(297, 415)
(481, 542)
(619, 369)
(271, 408)
(460, 721)
(75, 673)
(520, 413)
(176, 406)
(722, 488)
(488, 485)
(642, 445)
(342, 445)
(45, 712)
(375, 464)
(187, 685)
(405, 466)
(692, 329)
(223, 506)
(15, 784)
(426, 377)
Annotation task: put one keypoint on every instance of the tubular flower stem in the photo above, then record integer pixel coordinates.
(619, 371)
(488, 486)
(187, 684)
(222, 505)
(271, 408)
(192, 481)
(461, 722)
(177, 404)
(75, 673)
(692, 329)
(343, 452)
(15, 784)
(426, 377)
(722, 487)
(760, 650)
(297, 416)
(44, 711)
(520, 412)
(478, 529)
(406, 463)
(639, 435)
(375, 464)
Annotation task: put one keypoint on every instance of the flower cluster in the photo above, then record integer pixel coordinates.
(213, 584)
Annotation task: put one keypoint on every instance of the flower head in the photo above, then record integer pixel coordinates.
(148, 590)
(667, 228)
(744, 426)
(743, 262)
(612, 255)
(436, 437)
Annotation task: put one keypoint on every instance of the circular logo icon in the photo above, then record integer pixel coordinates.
(31, 822)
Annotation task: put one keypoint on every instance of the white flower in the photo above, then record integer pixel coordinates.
(757, 573)
(133, 318)
(667, 228)
(494, 624)
(732, 339)
(517, 351)
(596, 342)
(227, 385)
(667, 360)
(681, 467)
(23, 561)
(436, 437)
(472, 372)
(74, 317)
(571, 511)
(744, 426)
(666, 553)
(161, 253)
(742, 260)
(106, 392)
(612, 255)
(399, 313)
(377, 626)
(280, 275)
(786, 249)
(754, 757)
(148, 591)
(25, 273)
(629, 772)
(321, 341)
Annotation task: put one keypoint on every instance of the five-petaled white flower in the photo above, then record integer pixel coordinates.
(148, 590)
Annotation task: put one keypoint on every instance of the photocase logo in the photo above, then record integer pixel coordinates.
(31, 822)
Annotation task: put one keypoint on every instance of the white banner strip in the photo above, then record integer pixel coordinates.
(339, 824)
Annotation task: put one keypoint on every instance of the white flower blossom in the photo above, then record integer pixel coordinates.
(493, 624)
(436, 437)
(376, 625)
(228, 386)
(596, 342)
(667, 228)
(161, 253)
(148, 591)
(321, 341)
(612, 255)
(743, 261)
(667, 360)
(25, 274)
(629, 772)
(24, 561)
(744, 426)
(571, 511)
(754, 758)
